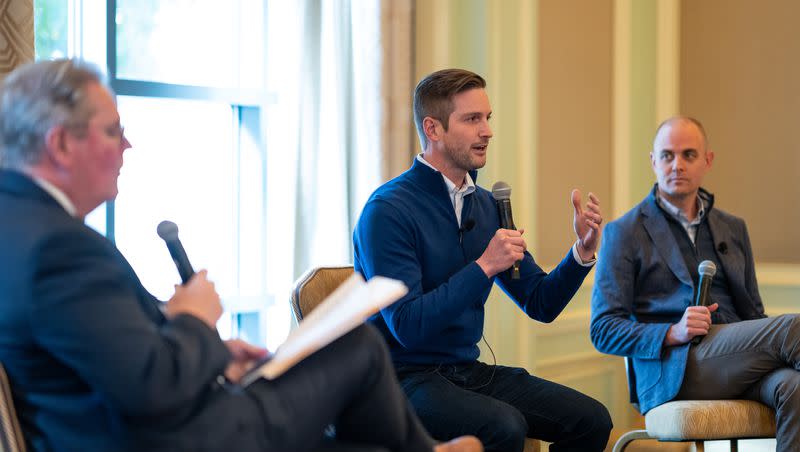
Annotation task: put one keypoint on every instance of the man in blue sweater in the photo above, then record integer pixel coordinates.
(438, 232)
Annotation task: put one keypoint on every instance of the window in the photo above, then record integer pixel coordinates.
(190, 94)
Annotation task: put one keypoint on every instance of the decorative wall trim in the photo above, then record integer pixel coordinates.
(667, 59)
(778, 275)
(16, 34)
(621, 134)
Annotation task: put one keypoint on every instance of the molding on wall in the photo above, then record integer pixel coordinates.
(668, 59)
(778, 275)
(621, 133)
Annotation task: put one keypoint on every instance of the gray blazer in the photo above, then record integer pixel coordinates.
(642, 286)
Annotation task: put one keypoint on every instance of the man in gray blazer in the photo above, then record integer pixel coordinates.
(643, 298)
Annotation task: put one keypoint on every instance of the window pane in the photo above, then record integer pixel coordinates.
(50, 28)
(157, 41)
(181, 168)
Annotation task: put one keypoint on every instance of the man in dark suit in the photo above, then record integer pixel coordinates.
(95, 362)
(642, 303)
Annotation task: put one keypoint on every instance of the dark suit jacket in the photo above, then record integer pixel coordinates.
(642, 286)
(93, 363)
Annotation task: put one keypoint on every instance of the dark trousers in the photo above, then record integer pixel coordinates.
(350, 383)
(502, 406)
(756, 360)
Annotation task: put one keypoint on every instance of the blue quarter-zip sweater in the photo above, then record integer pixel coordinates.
(408, 231)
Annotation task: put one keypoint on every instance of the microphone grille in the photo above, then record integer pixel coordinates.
(707, 268)
(167, 230)
(501, 191)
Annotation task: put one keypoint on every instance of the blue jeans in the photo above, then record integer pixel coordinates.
(502, 406)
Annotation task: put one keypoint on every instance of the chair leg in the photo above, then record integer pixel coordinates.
(629, 437)
(699, 446)
(734, 445)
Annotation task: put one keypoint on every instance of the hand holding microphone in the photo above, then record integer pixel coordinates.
(196, 295)
(507, 247)
(706, 271)
(696, 320)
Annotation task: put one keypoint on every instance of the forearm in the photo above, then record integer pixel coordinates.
(544, 296)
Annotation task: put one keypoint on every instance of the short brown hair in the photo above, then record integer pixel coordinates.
(433, 96)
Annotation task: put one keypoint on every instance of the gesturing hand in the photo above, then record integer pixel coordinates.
(696, 321)
(587, 224)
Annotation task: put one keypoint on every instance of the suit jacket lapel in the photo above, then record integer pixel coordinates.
(657, 228)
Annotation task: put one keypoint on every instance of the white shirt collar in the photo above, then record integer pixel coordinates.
(467, 188)
(58, 195)
(678, 213)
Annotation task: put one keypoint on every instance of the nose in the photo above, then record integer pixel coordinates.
(486, 131)
(125, 143)
(678, 164)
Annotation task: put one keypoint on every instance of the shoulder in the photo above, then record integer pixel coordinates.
(630, 219)
(723, 216)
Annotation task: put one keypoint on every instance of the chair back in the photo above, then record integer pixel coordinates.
(316, 284)
(11, 439)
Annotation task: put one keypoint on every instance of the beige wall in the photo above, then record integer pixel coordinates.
(577, 88)
(740, 75)
(575, 70)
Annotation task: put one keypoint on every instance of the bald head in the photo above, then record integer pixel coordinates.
(683, 123)
(680, 159)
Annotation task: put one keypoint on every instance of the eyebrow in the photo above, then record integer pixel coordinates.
(473, 113)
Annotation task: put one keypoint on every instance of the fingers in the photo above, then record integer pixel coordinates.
(511, 238)
(593, 209)
(713, 307)
(576, 200)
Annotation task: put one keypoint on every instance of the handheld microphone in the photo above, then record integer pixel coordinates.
(501, 192)
(706, 270)
(168, 231)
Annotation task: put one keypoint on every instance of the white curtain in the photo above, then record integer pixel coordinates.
(323, 135)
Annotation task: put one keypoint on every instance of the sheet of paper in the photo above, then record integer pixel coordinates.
(350, 305)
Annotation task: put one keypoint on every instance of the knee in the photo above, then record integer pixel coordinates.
(787, 389)
(595, 423)
(367, 338)
(506, 431)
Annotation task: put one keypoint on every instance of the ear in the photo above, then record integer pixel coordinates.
(58, 145)
(709, 158)
(652, 160)
(432, 128)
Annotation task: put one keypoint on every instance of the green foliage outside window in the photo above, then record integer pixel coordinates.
(50, 28)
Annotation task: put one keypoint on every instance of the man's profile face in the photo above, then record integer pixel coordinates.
(467, 137)
(680, 159)
(98, 150)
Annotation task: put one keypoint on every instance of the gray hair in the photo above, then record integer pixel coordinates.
(36, 97)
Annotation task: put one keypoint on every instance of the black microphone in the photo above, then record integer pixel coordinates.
(168, 231)
(469, 223)
(501, 192)
(706, 270)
